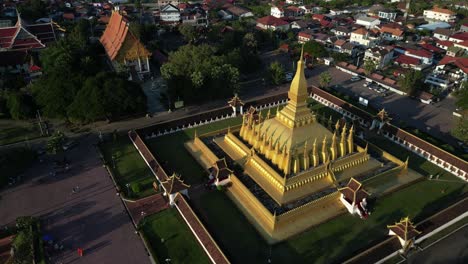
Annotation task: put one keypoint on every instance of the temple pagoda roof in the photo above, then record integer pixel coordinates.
(383, 115)
(220, 169)
(235, 101)
(119, 43)
(353, 192)
(174, 184)
(404, 229)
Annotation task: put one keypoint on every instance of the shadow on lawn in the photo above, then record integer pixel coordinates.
(441, 203)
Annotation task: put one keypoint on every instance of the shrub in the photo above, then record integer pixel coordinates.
(135, 187)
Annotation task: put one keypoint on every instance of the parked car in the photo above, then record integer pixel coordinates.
(289, 76)
(355, 78)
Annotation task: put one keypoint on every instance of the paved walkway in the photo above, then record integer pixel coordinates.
(93, 218)
(146, 206)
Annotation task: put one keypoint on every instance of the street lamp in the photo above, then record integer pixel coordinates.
(128, 188)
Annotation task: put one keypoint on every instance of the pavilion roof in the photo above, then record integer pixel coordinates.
(404, 229)
(353, 192)
(220, 169)
(235, 101)
(174, 184)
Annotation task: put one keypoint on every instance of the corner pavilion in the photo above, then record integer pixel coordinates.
(292, 166)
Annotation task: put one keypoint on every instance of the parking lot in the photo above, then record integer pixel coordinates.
(436, 119)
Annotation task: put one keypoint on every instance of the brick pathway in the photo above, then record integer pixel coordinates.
(146, 206)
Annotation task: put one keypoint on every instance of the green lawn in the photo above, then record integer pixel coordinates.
(333, 241)
(12, 132)
(130, 167)
(179, 243)
(416, 162)
(170, 149)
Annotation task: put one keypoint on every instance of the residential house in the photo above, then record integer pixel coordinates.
(123, 47)
(455, 51)
(440, 14)
(387, 14)
(295, 2)
(442, 33)
(169, 14)
(338, 45)
(375, 9)
(459, 37)
(343, 31)
(368, 22)
(464, 27)
(299, 24)
(305, 36)
(311, 9)
(277, 12)
(408, 62)
(444, 44)
(273, 23)
(363, 37)
(350, 49)
(392, 31)
(324, 20)
(293, 11)
(162, 3)
(450, 71)
(237, 11)
(425, 56)
(379, 55)
(195, 17)
(462, 45)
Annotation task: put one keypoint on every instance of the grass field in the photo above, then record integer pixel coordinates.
(178, 242)
(333, 241)
(129, 167)
(12, 132)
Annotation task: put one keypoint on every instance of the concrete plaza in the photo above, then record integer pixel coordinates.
(92, 218)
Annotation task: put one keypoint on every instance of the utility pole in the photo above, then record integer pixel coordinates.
(40, 122)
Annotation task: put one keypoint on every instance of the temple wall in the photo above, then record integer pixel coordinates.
(208, 154)
(257, 213)
(236, 144)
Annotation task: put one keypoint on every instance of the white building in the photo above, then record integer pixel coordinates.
(440, 14)
(295, 2)
(442, 33)
(368, 22)
(277, 12)
(354, 198)
(380, 56)
(170, 13)
(362, 37)
(389, 15)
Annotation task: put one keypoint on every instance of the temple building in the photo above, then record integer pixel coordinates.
(291, 171)
(220, 174)
(354, 198)
(173, 185)
(123, 47)
(405, 231)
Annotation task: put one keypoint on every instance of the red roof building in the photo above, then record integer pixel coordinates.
(407, 61)
(271, 22)
(123, 47)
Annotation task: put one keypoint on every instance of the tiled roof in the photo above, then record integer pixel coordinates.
(340, 42)
(461, 63)
(7, 36)
(117, 35)
(431, 47)
(443, 31)
(391, 29)
(463, 36)
(353, 191)
(271, 21)
(361, 31)
(445, 43)
(404, 229)
(220, 170)
(305, 34)
(404, 59)
(442, 10)
(420, 53)
(44, 32)
(174, 184)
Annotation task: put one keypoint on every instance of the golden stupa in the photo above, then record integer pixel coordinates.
(296, 164)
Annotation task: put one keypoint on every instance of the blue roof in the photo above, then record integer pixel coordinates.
(433, 26)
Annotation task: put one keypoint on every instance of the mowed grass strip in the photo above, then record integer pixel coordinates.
(12, 132)
(130, 167)
(170, 238)
(333, 241)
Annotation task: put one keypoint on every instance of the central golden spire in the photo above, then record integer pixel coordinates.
(296, 113)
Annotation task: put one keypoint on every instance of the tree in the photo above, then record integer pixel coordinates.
(193, 73)
(462, 96)
(411, 81)
(104, 96)
(20, 106)
(32, 9)
(56, 142)
(276, 73)
(189, 32)
(315, 49)
(325, 79)
(369, 66)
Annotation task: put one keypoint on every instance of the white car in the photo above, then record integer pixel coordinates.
(355, 78)
(289, 76)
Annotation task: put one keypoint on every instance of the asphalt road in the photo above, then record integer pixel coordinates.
(453, 250)
(436, 120)
(93, 218)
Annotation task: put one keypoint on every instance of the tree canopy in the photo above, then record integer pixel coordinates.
(315, 49)
(324, 79)
(411, 81)
(196, 73)
(276, 73)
